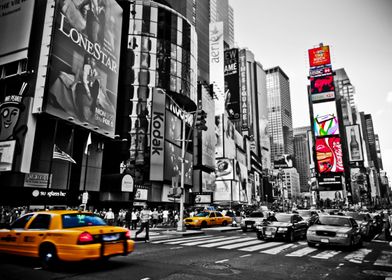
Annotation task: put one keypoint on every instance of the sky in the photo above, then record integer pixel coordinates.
(359, 33)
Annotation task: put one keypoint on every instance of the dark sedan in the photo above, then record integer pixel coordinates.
(286, 226)
(365, 223)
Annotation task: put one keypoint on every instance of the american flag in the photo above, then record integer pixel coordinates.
(59, 154)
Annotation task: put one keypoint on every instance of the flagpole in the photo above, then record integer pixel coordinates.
(51, 154)
(70, 153)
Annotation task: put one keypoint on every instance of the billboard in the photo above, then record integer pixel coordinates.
(241, 173)
(15, 27)
(329, 155)
(329, 183)
(202, 198)
(321, 84)
(283, 161)
(157, 152)
(320, 71)
(173, 128)
(232, 86)
(324, 96)
(219, 136)
(244, 91)
(224, 169)
(7, 151)
(217, 64)
(325, 119)
(208, 137)
(354, 143)
(319, 56)
(228, 136)
(82, 83)
(223, 190)
(172, 166)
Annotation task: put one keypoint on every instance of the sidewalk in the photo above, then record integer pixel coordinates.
(161, 233)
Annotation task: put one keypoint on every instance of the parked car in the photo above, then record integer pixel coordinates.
(334, 230)
(207, 218)
(249, 222)
(365, 223)
(286, 226)
(63, 235)
(310, 216)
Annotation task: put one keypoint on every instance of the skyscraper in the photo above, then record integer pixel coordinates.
(279, 112)
(220, 10)
(302, 157)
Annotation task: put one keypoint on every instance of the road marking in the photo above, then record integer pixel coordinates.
(247, 255)
(208, 241)
(385, 259)
(147, 278)
(234, 246)
(37, 268)
(357, 256)
(326, 254)
(193, 240)
(222, 261)
(260, 246)
(277, 250)
(226, 242)
(301, 252)
(176, 239)
(175, 248)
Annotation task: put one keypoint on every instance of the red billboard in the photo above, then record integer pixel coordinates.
(319, 56)
(321, 84)
(84, 68)
(329, 155)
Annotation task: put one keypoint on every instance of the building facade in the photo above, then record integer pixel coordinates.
(221, 11)
(302, 156)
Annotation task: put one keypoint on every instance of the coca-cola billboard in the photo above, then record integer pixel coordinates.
(329, 155)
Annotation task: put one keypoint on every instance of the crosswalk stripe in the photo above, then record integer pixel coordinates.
(326, 254)
(226, 242)
(277, 250)
(301, 252)
(193, 240)
(238, 245)
(357, 256)
(175, 239)
(208, 241)
(385, 259)
(260, 246)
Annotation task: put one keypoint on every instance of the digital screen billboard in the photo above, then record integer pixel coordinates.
(325, 119)
(283, 161)
(354, 143)
(224, 169)
(321, 84)
(232, 84)
(319, 56)
(82, 83)
(320, 71)
(173, 163)
(329, 155)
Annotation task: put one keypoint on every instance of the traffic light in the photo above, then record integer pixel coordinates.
(201, 120)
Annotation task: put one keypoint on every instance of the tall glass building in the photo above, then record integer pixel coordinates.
(222, 11)
(279, 112)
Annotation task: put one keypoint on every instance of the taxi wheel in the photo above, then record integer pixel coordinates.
(48, 256)
(203, 224)
(224, 223)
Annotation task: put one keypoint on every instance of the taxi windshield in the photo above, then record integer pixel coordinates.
(81, 220)
(202, 214)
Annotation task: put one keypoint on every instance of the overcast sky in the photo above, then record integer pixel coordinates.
(359, 33)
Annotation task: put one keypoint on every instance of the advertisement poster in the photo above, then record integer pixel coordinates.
(283, 161)
(325, 121)
(208, 137)
(332, 195)
(82, 83)
(15, 25)
(354, 143)
(329, 155)
(329, 183)
(207, 182)
(173, 128)
(173, 163)
(320, 71)
(321, 84)
(141, 194)
(319, 56)
(229, 143)
(217, 65)
(219, 136)
(203, 198)
(232, 84)
(7, 151)
(241, 173)
(224, 169)
(223, 191)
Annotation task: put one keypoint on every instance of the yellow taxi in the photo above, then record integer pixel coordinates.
(66, 236)
(207, 218)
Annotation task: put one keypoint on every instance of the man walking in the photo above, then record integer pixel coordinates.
(145, 216)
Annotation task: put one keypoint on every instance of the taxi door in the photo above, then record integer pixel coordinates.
(212, 219)
(219, 218)
(35, 232)
(9, 238)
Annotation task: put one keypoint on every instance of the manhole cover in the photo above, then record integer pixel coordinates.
(219, 269)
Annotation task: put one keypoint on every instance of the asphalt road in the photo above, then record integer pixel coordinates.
(219, 255)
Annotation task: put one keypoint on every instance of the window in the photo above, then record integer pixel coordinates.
(42, 221)
(21, 222)
(219, 214)
(81, 220)
(212, 215)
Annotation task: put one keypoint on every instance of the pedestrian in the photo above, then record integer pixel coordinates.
(154, 216)
(128, 217)
(109, 217)
(165, 217)
(134, 218)
(145, 216)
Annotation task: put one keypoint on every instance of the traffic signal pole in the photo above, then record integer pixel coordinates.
(180, 224)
